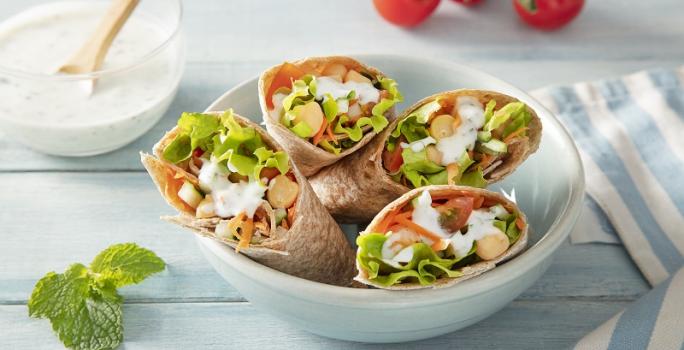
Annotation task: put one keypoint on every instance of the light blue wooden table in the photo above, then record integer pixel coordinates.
(55, 211)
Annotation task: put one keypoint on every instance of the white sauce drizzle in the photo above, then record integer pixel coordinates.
(471, 112)
(419, 145)
(230, 199)
(365, 92)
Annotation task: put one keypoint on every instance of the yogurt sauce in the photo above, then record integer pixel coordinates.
(480, 224)
(59, 116)
(471, 112)
(365, 92)
(230, 199)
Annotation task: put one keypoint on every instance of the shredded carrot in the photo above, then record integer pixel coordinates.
(319, 134)
(519, 223)
(486, 159)
(439, 245)
(246, 230)
(417, 228)
(514, 134)
(385, 223)
(330, 133)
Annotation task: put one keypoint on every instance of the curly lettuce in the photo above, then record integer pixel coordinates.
(239, 148)
(425, 266)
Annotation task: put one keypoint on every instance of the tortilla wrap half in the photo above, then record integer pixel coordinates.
(468, 271)
(314, 247)
(357, 187)
(308, 157)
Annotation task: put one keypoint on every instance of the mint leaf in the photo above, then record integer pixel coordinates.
(126, 263)
(83, 304)
(94, 323)
(56, 292)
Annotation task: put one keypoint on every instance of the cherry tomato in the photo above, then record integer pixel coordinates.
(198, 152)
(393, 160)
(269, 173)
(467, 2)
(455, 213)
(405, 13)
(548, 14)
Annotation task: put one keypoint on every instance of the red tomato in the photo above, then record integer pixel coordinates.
(393, 160)
(405, 13)
(468, 2)
(548, 14)
(269, 173)
(455, 213)
(198, 152)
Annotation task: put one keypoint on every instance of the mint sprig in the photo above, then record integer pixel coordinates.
(83, 304)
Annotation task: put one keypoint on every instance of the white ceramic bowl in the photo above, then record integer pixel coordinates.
(53, 113)
(549, 188)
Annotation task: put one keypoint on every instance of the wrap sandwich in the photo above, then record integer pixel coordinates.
(321, 109)
(437, 236)
(462, 137)
(229, 180)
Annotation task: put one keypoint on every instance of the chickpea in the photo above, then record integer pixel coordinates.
(282, 192)
(311, 114)
(433, 154)
(442, 126)
(335, 71)
(353, 75)
(205, 208)
(492, 246)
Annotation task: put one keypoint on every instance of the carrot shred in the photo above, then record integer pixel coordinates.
(417, 228)
(319, 134)
(519, 223)
(514, 134)
(385, 223)
(330, 133)
(486, 159)
(246, 230)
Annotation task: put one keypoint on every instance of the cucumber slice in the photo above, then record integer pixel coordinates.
(494, 147)
(189, 194)
(484, 136)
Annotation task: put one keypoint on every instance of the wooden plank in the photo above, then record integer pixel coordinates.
(521, 325)
(204, 82)
(56, 219)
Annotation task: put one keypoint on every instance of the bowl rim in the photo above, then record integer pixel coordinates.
(321, 293)
(173, 33)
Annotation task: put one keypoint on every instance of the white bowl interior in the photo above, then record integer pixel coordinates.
(549, 187)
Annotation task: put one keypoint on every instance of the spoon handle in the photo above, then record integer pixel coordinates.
(92, 54)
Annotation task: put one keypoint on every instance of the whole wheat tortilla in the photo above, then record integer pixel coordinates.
(357, 187)
(314, 247)
(308, 157)
(469, 271)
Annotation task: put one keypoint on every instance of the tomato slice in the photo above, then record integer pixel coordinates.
(455, 213)
(393, 160)
(283, 78)
(269, 173)
(198, 152)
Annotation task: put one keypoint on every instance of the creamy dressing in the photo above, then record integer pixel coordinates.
(480, 224)
(471, 112)
(59, 116)
(419, 145)
(365, 92)
(230, 199)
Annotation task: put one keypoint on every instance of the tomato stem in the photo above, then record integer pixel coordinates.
(530, 5)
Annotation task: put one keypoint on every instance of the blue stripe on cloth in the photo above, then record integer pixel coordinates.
(575, 117)
(667, 82)
(649, 141)
(634, 328)
(603, 220)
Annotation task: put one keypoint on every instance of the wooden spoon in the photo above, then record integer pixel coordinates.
(91, 55)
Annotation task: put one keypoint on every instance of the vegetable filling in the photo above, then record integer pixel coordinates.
(431, 238)
(333, 109)
(240, 181)
(454, 141)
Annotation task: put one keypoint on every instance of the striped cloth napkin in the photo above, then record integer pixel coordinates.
(630, 132)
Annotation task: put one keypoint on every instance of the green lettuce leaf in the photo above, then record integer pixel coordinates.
(474, 178)
(504, 114)
(330, 108)
(269, 159)
(302, 130)
(425, 266)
